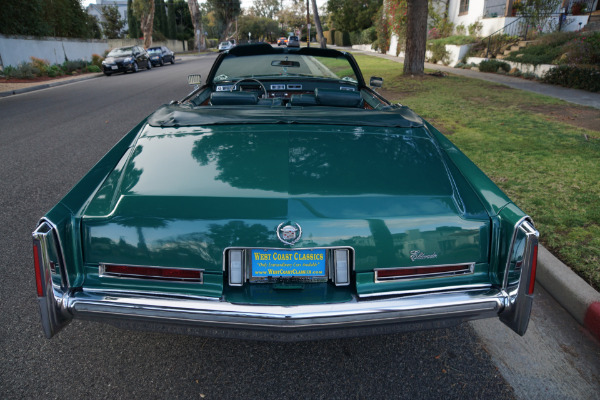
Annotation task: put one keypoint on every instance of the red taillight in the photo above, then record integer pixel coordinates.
(422, 271)
(533, 268)
(38, 272)
(166, 274)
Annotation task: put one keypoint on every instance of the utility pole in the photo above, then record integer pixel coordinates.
(307, 23)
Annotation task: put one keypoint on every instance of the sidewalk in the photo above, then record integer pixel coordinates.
(576, 96)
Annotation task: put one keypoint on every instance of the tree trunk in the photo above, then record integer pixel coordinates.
(318, 26)
(199, 40)
(147, 25)
(416, 37)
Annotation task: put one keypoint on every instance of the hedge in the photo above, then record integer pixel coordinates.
(493, 66)
(578, 77)
(330, 36)
(342, 39)
(366, 36)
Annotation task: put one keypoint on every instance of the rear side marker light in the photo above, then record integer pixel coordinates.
(236, 272)
(154, 273)
(533, 270)
(422, 272)
(38, 272)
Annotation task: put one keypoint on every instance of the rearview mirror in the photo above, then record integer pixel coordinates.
(285, 63)
(376, 82)
(195, 79)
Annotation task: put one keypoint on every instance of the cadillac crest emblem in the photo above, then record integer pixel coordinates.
(289, 232)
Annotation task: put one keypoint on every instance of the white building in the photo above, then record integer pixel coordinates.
(496, 14)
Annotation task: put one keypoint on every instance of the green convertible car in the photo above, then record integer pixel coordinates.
(284, 199)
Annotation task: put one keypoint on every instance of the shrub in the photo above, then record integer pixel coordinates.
(578, 77)
(493, 66)
(54, 71)
(26, 70)
(475, 28)
(9, 71)
(93, 68)
(582, 50)
(460, 29)
(40, 64)
(97, 60)
(366, 36)
(438, 52)
(73, 65)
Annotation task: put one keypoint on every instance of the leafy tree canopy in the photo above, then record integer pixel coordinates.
(113, 23)
(265, 8)
(352, 15)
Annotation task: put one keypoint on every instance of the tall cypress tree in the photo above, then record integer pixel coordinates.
(132, 22)
(160, 17)
(172, 22)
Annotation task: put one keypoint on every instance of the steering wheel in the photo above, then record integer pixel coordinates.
(264, 89)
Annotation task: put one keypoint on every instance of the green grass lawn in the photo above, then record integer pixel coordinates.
(536, 148)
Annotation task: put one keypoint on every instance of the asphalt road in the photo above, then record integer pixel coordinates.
(48, 140)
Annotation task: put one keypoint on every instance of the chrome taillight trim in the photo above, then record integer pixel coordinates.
(52, 302)
(103, 273)
(518, 301)
(44, 230)
(470, 269)
(526, 225)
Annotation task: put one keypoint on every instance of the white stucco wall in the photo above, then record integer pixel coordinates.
(475, 13)
(17, 49)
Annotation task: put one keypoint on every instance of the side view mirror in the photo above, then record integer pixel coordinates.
(376, 82)
(195, 79)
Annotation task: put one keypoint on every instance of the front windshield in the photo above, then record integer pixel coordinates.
(155, 50)
(120, 52)
(283, 65)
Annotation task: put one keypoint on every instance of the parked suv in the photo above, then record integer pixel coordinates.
(293, 41)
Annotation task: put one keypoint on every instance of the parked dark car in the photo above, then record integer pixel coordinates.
(159, 55)
(126, 59)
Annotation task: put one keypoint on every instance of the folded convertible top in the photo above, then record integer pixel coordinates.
(183, 115)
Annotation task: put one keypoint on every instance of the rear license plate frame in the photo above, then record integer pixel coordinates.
(288, 264)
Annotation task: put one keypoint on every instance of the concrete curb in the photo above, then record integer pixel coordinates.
(580, 299)
(49, 85)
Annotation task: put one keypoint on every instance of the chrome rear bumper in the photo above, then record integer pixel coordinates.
(219, 318)
(215, 317)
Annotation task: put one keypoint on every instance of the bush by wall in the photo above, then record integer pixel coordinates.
(342, 38)
(493, 66)
(366, 36)
(438, 52)
(330, 36)
(578, 77)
